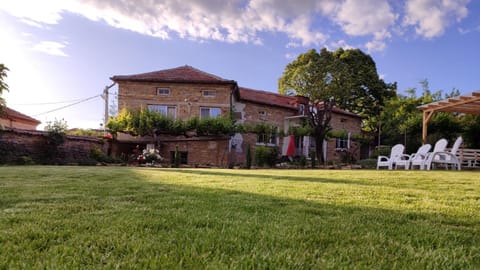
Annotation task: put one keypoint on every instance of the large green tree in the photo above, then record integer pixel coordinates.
(3, 84)
(346, 79)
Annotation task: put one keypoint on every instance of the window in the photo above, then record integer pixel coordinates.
(343, 143)
(263, 115)
(163, 109)
(163, 91)
(209, 93)
(210, 112)
(267, 138)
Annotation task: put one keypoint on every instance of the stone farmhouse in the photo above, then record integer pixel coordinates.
(185, 92)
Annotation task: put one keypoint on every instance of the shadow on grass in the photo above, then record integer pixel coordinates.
(126, 222)
(276, 177)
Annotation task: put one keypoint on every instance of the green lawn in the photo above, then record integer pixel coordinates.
(120, 217)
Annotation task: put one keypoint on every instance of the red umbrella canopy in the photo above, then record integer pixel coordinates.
(291, 146)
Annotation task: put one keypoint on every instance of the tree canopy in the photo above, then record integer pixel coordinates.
(402, 121)
(3, 84)
(349, 77)
(346, 79)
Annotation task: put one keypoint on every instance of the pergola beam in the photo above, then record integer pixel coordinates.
(469, 104)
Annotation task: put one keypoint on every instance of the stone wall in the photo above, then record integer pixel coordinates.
(16, 145)
(347, 123)
(199, 151)
(187, 98)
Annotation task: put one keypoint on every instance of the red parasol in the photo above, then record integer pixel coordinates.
(291, 147)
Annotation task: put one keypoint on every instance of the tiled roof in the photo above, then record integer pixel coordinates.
(12, 114)
(178, 74)
(267, 98)
(274, 99)
(338, 110)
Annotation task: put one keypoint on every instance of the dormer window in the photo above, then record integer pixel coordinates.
(163, 91)
(209, 93)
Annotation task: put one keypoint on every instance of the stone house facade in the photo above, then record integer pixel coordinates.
(185, 92)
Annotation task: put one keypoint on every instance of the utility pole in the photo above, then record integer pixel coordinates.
(105, 97)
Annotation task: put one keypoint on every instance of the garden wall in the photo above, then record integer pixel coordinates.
(27, 146)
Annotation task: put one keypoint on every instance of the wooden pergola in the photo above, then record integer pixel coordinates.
(469, 104)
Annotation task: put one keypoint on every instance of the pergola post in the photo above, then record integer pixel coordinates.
(427, 115)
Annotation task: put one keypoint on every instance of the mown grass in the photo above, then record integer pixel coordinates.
(118, 217)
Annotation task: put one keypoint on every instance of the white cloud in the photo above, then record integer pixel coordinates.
(50, 47)
(246, 20)
(359, 18)
(46, 11)
(367, 18)
(464, 31)
(291, 56)
(339, 44)
(431, 17)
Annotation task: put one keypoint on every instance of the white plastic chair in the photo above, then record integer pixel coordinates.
(395, 154)
(446, 158)
(418, 159)
(440, 146)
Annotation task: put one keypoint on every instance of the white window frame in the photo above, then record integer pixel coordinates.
(268, 139)
(163, 109)
(342, 144)
(209, 93)
(159, 89)
(211, 111)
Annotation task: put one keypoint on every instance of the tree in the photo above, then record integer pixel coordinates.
(3, 84)
(346, 79)
(402, 120)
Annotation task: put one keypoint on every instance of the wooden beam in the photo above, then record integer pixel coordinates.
(427, 115)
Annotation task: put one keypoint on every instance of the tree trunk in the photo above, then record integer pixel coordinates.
(319, 149)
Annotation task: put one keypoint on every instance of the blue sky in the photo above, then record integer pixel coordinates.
(63, 51)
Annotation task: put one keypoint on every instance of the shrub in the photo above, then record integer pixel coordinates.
(7, 152)
(265, 156)
(97, 154)
(25, 160)
(176, 158)
(381, 151)
(313, 157)
(249, 157)
(302, 161)
(368, 163)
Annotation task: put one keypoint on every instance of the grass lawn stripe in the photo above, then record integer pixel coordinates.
(120, 217)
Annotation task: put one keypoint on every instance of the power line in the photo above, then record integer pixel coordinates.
(46, 103)
(69, 105)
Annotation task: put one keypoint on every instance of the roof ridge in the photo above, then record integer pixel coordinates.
(206, 73)
(181, 73)
(9, 112)
(265, 91)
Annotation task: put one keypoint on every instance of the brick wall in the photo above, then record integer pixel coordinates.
(350, 124)
(200, 151)
(34, 144)
(186, 97)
